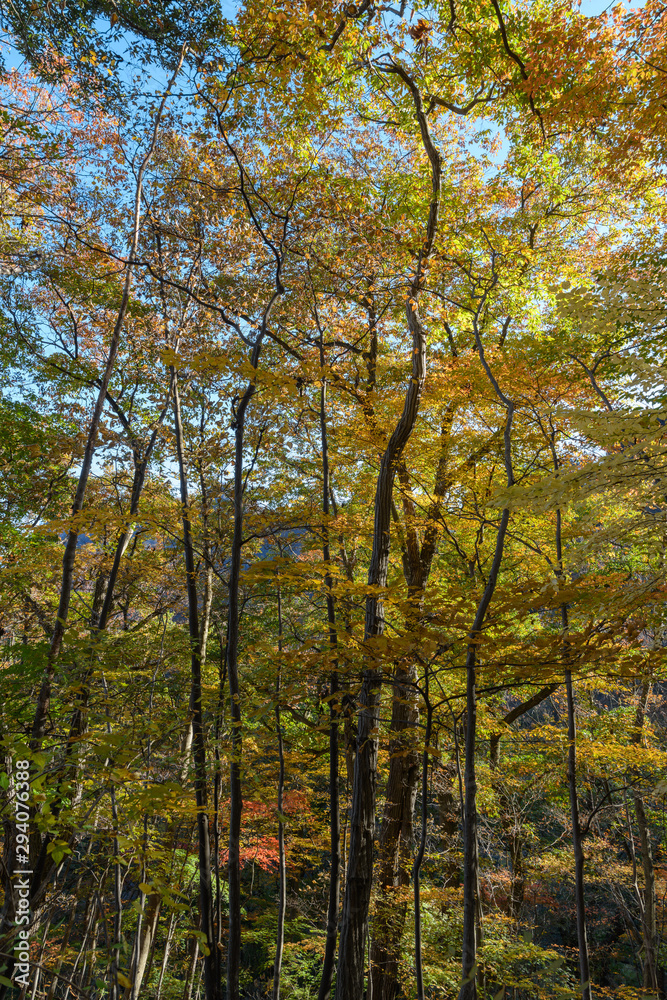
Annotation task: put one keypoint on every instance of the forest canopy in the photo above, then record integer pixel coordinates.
(333, 500)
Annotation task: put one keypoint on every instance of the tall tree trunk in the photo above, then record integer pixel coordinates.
(146, 937)
(191, 974)
(282, 881)
(165, 955)
(649, 914)
(334, 711)
(650, 934)
(471, 913)
(217, 790)
(276, 250)
(354, 927)
(232, 651)
(44, 697)
(393, 874)
(395, 847)
(422, 844)
(211, 974)
(114, 991)
(577, 835)
(577, 832)
(42, 706)
(395, 851)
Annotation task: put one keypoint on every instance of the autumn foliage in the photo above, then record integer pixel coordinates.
(333, 441)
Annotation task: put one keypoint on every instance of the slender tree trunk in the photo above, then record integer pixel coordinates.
(149, 913)
(43, 702)
(44, 698)
(282, 881)
(165, 955)
(577, 833)
(395, 848)
(116, 941)
(354, 927)
(40, 959)
(650, 934)
(235, 790)
(422, 845)
(217, 791)
(577, 836)
(145, 939)
(118, 904)
(192, 970)
(334, 713)
(649, 915)
(211, 977)
(395, 851)
(471, 913)
(470, 863)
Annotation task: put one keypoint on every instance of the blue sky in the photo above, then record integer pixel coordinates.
(591, 8)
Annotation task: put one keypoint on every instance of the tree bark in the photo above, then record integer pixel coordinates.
(422, 845)
(395, 847)
(232, 655)
(650, 934)
(354, 926)
(211, 970)
(235, 790)
(577, 832)
(165, 955)
(282, 881)
(145, 941)
(577, 836)
(396, 832)
(471, 900)
(192, 969)
(649, 915)
(334, 789)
